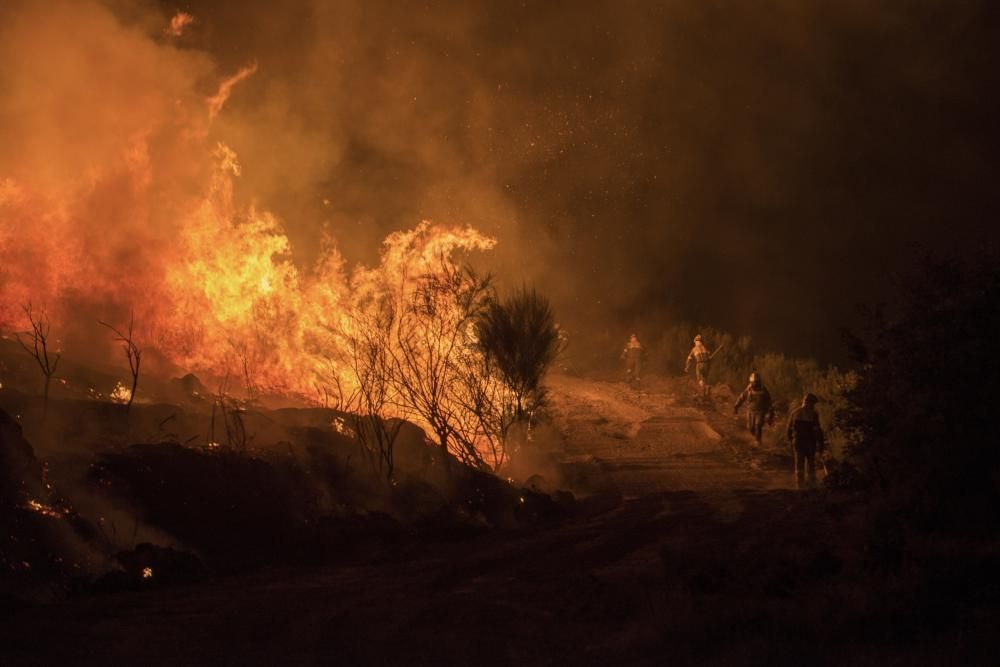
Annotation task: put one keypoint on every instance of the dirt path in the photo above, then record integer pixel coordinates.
(658, 439)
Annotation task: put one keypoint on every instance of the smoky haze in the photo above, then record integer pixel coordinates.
(762, 167)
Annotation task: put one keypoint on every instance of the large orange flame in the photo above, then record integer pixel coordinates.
(146, 220)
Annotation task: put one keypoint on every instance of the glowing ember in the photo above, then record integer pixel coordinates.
(340, 426)
(120, 394)
(147, 573)
(179, 22)
(43, 509)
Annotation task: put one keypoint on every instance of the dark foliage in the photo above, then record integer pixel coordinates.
(519, 337)
(921, 420)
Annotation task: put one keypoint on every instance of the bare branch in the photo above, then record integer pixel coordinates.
(132, 352)
(39, 350)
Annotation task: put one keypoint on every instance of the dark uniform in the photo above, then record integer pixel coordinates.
(806, 436)
(759, 406)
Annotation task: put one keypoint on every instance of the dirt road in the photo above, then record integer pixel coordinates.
(659, 438)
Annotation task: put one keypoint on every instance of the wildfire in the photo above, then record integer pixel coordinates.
(141, 215)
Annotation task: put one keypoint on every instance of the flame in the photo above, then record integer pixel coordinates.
(120, 394)
(178, 23)
(217, 101)
(141, 215)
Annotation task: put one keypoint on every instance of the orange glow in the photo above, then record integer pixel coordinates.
(45, 510)
(138, 213)
(178, 23)
(141, 214)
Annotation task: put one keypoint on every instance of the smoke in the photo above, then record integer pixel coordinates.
(103, 154)
(757, 168)
(640, 162)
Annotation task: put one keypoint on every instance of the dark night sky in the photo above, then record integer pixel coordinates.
(761, 166)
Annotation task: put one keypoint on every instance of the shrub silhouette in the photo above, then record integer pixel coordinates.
(519, 337)
(920, 419)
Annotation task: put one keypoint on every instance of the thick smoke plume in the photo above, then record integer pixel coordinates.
(757, 167)
(762, 167)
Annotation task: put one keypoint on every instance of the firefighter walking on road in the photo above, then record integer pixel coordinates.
(806, 436)
(702, 360)
(759, 406)
(632, 354)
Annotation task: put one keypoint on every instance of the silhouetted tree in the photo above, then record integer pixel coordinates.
(39, 347)
(132, 353)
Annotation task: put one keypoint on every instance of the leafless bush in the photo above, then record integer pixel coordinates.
(233, 426)
(373, 365)
(329, 387)
(39, 347)
(415, 352)
(247, 360)
(489, 406)
(132, 353)
(433, 331)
